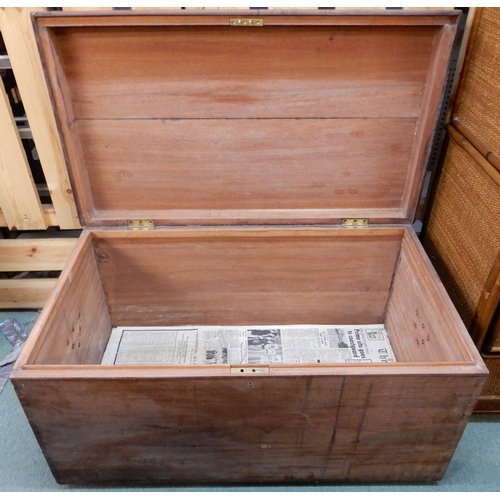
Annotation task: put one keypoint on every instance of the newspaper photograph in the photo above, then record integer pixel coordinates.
(248, 345)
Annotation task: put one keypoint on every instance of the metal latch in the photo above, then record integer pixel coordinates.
(355, 222)
(246, 22)
(247, 369)
(141, 224)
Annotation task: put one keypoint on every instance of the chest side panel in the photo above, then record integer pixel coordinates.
(249, 429)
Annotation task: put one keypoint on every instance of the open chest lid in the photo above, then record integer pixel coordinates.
(246, 117)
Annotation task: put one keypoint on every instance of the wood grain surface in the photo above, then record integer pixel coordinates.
(249, 429)
(33, 254)
(181, 72)
(254, 279)
(421, 320)
(305, 113)
(246, 164)
(26, 294)
(75, 324)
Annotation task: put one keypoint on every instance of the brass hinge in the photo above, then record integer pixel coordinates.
(246, 22)
(142, 224)
(355, 222)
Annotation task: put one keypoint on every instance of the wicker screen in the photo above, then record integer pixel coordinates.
(462, 235)
(494, 334)
(492, 386)
(496, 344)
(479, 106)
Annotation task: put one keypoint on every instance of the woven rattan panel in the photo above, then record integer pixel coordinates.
(492, 386)
(489, 401)
(462, 235)
(479, 107)
(496, 344)
(495, 334)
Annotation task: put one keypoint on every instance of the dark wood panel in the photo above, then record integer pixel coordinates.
(252, 428)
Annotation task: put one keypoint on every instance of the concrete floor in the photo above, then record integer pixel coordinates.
(474, 467)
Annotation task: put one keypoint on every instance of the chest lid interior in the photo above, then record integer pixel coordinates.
(199, 118)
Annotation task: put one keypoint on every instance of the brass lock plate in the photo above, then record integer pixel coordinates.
(246, 22)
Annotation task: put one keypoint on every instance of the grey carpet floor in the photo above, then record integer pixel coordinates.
(475, 465)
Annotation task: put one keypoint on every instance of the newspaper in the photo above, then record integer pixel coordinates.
(248, 345)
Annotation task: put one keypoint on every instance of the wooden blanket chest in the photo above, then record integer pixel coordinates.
(270, 163)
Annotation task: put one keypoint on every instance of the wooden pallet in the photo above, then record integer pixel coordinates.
(19, 199)
(31, 255)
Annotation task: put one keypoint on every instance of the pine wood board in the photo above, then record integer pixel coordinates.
(48, 211)
(47, 254)
(19, 199)
(25, 293)
(17, 32)
(18, 255)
